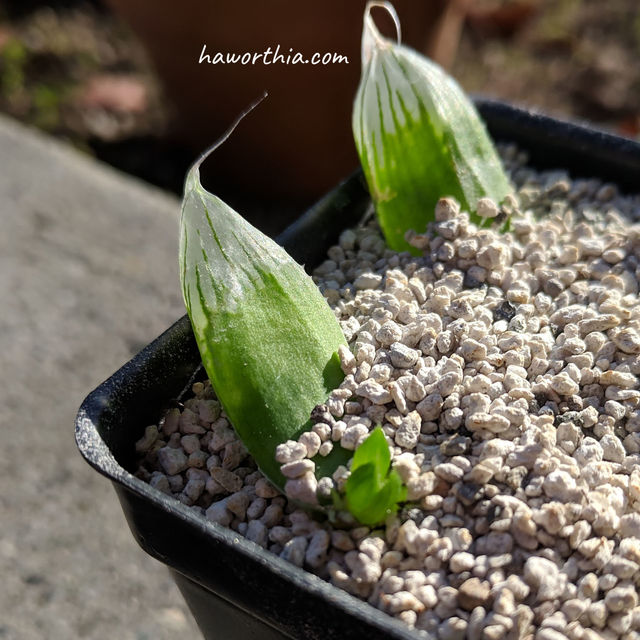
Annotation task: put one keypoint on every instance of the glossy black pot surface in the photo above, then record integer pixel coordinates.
(234, 588)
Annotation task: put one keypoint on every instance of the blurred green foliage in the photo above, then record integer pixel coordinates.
(13, 59)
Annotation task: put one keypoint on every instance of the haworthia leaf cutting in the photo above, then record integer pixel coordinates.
(267, 337)
(419, 137)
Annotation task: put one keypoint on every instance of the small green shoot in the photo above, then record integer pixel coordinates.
(373, 490)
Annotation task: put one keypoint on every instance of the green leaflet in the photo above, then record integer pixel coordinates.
(267, 337)
(373, 491)
(418, 136)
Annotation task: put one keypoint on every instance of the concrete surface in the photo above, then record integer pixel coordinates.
(88, 275)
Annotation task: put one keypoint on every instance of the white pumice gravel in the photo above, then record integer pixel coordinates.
(503, 369)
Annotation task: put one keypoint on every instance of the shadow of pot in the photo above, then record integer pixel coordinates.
(235, 588)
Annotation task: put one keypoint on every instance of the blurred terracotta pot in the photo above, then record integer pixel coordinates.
(298, 142)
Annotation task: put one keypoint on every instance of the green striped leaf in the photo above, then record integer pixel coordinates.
(419, 137)
(267, 337)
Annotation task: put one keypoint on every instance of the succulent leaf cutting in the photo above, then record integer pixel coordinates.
(267, 337)
(419, 137)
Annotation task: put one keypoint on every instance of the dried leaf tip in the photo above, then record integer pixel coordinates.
(192, 180)
(371, 37)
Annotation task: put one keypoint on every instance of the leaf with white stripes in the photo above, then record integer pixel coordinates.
(267, 337)
(419, 137)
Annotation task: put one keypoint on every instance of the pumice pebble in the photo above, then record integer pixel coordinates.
(503, 369)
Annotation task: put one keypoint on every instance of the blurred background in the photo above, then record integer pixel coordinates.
(120, 80)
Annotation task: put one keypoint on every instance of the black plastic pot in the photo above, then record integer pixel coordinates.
(234, 588)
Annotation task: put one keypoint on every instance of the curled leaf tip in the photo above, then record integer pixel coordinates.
(371, 37)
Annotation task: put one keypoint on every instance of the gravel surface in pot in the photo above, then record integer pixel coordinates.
(503, 368)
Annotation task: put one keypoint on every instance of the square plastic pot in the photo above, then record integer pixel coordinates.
(235, 589)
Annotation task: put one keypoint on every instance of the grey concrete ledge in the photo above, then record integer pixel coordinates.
(88, 275)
